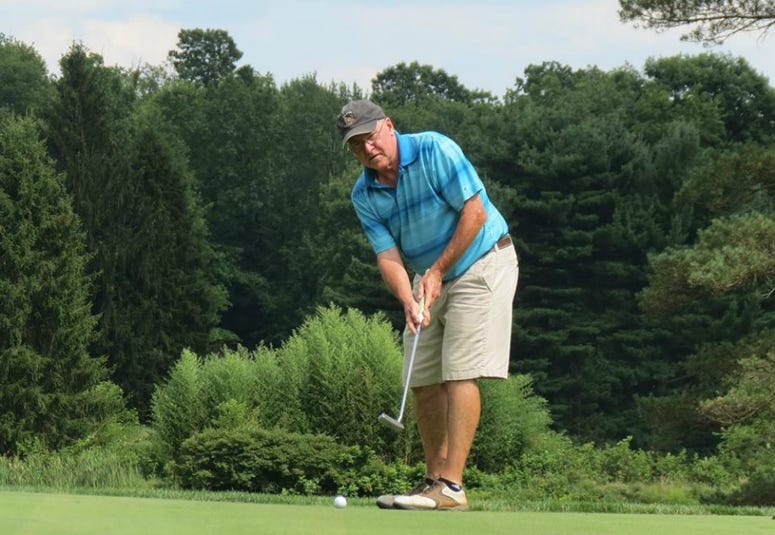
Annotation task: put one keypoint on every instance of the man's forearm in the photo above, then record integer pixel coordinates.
(472, 218)
(393, 272)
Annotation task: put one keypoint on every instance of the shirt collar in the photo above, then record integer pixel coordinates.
(407, 153)
(407, 149)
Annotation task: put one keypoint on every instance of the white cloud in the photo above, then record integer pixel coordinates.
(128, 42)
(51, 37)
(139, 39)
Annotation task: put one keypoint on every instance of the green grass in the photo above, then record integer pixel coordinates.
(40, 513)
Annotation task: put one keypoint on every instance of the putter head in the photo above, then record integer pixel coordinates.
(390, 422)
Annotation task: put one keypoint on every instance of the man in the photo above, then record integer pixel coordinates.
(420, 199)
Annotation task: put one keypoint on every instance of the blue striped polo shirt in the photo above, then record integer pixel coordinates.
(420, 214)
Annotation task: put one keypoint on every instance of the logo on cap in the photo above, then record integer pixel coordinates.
(348, 119)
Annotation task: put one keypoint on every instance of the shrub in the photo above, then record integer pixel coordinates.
(749, 446)
(621, 463)
(513, 421)
(758, 489)
(348, 369)
(334, 375)
(257, 460)
(711, 471)
(177, 406)
(226, 377)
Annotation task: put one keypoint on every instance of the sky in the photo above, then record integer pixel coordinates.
(486, 44)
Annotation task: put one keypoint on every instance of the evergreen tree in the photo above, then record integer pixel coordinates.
(714, 21)
(344, 261)
(52, 390)
(718, 287)
(587, 212)
(230, 132)
(304, 158)
(167, 298)
(156, 292)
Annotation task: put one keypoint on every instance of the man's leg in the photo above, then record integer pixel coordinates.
(447, 417)
(431, 407)
(463, 411)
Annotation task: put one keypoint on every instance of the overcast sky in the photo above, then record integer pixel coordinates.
(485, 43)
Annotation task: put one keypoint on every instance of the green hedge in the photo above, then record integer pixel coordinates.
(276, 461)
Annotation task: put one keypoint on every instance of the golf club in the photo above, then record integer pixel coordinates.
(395, 423)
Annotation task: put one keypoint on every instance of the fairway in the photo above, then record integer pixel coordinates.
(28, 513)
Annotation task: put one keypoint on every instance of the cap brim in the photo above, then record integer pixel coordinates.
(364, 128)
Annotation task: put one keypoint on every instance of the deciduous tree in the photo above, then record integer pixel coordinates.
(205, 57)
(24, 83)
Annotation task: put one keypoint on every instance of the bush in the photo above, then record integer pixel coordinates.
(348, 370)
(621, 463)
(513, 421)
(758, 489)
(177, 405)
(225, 378)
(334, 376)
(553, 469)
(257, 460)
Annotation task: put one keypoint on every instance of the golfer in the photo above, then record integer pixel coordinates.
(420, 200)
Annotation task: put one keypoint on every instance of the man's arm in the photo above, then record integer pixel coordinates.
(391, 266)
(394, 273)
(472, 218)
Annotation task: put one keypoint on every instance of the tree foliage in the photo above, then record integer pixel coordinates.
(156, 291)
(24, 84)
(722, 95)
(404, 83)
(714, 21)
(204, 57)
(52, 389)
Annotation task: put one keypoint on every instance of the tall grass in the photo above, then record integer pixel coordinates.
(119, 455)
(93, 468)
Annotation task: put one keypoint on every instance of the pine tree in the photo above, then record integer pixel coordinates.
(587, 212)
(167, 297)
(52, 389)
(155, 294)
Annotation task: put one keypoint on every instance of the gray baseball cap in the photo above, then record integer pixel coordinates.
(358, 117)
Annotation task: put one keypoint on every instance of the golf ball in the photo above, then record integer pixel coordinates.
(340, 501)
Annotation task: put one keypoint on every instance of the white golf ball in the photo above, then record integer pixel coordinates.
(340, 502)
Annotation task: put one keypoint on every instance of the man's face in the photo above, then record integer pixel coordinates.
(376, 149)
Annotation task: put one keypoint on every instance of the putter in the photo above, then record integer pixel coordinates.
(395, 423)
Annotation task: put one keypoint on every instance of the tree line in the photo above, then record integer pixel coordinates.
(148, 211)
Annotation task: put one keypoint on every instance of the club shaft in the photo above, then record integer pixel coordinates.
(409, 373)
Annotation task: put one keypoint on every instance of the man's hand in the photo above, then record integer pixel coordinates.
(429, 290)
(416, 312)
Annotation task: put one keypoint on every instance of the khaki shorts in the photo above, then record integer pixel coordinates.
(469, 336)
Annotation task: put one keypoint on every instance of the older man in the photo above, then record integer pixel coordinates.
(420, 199)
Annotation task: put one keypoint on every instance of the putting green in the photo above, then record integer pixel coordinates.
(29, 513)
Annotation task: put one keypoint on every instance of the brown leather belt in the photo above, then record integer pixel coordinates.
(503, 243)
